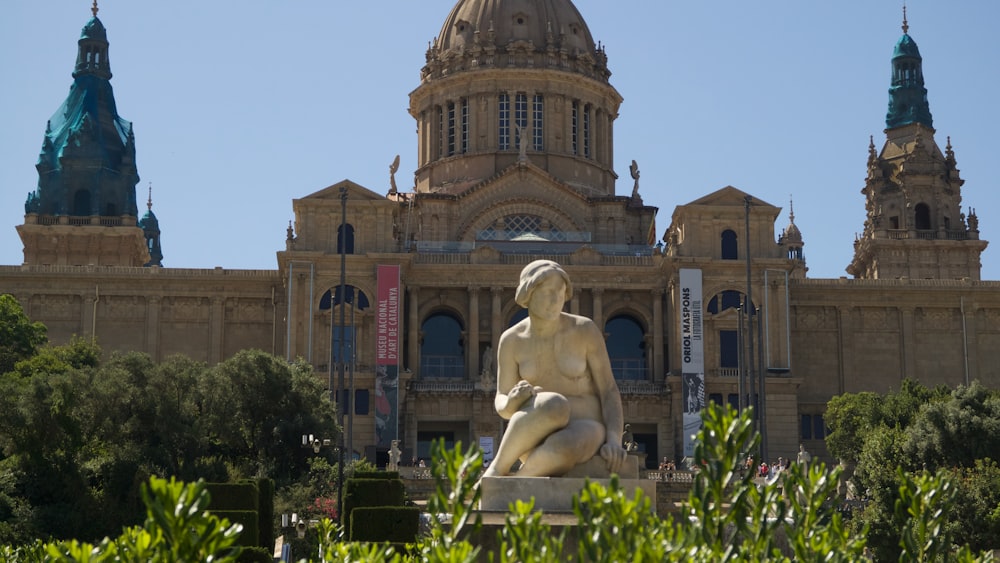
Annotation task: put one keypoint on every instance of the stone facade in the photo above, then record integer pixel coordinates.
(515, 141)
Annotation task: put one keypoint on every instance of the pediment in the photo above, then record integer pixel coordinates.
(354, 192)
(727, 197)
(524, 178)
(522, 189)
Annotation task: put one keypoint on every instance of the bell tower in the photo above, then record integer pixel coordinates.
(914, 225)
(83, 211)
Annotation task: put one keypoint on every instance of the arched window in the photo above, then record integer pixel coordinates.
(442, 354)
(922, 217)
(345, 239)
(626, 348)
(346, 334)
(729, 247)
(728, 299)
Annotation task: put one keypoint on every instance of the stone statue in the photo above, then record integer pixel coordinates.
(522, 145)
(628, 440)
(554, 384)
(393, 168)
(804, 456)
(634, 171)
(487, 377)
(394, 453)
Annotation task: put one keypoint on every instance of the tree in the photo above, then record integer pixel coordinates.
(255, 407)
(19, 337)
(917, 429)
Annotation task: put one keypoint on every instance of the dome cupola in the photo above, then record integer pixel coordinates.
(515, 33)
(515, 82)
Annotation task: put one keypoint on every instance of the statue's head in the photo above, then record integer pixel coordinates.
(534, 274)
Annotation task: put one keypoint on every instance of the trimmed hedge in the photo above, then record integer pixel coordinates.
(250, 537)
(393, 524)
(265, 517)
(243, 495)
(389, 475)
(370, 493)
(255, 555)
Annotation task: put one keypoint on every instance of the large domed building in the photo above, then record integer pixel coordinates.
(398, 299)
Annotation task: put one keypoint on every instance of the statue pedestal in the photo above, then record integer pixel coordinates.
(555, 494)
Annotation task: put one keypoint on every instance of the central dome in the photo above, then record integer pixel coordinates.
(515, 82)
(482, 30)
(538, 21)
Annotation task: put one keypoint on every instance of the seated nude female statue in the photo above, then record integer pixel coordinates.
(554, 384)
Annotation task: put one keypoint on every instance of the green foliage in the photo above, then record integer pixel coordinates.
(457, 493)
(177, 528)
(917, 429)
(20, 338)
(814, 525)
(957, 431)
(370, 493)
(394, 524)
(79, 436)
(728, 519)
(525, 537)
(180, 526)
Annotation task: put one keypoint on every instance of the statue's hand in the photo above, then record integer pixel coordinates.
(614, 455)
(519, 394)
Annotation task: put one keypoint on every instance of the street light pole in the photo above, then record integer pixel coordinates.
(749, 313)
(340, 400)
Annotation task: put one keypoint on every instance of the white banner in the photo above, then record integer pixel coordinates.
(692, 355)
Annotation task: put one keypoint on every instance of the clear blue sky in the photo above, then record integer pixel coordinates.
(239, 106)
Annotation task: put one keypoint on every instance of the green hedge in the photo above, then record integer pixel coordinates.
(390, 475)
(371, 492)
(250, 537)
(256, 555)
(394, 524)
(243, 495)
(266, 521)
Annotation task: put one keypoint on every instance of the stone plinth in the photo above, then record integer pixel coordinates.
(597, 468)
(551, 494)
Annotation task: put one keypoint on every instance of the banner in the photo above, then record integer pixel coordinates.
(692, 356)
(387, 356)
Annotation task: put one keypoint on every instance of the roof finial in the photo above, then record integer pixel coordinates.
(791, 209)
(93, 9)
(906, 26)
(149, 200)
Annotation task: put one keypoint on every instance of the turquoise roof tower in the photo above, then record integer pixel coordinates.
(87, 162)
(907, 95)
(150, 226)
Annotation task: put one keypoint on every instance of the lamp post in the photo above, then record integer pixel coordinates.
(749, 313)
(342, 243)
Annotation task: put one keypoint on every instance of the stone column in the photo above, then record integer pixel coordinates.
(153, 327)
(216, 322)
(413, 331)
(971, 340)
(472, 346)
(597, 294)
(657, 359)
(845, 322)
(87, 315)
(909, 342)
(496, 317)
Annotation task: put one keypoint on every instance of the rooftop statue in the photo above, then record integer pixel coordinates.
(554, 384)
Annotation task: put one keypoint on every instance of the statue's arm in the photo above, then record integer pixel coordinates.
(510, 396)
(611, 400)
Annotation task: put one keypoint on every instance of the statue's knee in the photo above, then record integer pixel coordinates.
(554, 407)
